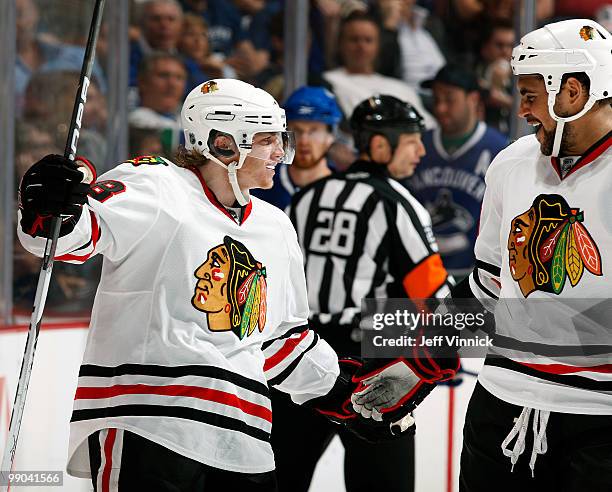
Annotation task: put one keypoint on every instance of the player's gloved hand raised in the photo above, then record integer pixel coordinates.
(53, 187)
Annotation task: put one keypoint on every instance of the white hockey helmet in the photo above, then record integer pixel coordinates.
(237, 109)
(576, 45)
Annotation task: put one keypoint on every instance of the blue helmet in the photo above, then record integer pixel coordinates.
(313, 104)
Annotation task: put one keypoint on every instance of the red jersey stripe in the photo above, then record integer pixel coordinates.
(566, 369)
(95, 235)
(209, 394)
(284, 351)
(108, 454)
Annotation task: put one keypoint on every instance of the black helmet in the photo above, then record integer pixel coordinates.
(384, 115)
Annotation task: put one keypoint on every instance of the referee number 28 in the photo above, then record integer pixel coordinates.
(335, 233)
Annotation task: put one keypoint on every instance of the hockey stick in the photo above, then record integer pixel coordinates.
(47, 264)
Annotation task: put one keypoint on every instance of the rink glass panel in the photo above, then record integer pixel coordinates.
(44, 40)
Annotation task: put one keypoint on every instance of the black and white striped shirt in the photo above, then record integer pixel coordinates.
(364, 235)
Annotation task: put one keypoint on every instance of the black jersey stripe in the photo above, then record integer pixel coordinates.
(174, 372)
(476, 277)
(550, 350)
(325, 291)
(185, 413)
(385, 188)
(287, 334)
(488, 267)
(285, 373)
(567, 380)
(361, 237)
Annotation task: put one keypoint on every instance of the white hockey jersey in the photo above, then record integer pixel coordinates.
(545, 250)
(196, 315)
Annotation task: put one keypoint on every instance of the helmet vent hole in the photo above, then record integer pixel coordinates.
(192, 106)
(605, 93)
(189, 118)
(200, 143)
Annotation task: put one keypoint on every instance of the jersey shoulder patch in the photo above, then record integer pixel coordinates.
(151, 160)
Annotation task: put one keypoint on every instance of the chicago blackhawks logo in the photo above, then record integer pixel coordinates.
(586, 33)
(231, 289)
(548, 244)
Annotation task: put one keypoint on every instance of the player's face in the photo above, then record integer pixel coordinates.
(534, 108)
(312, 140)
(211, 290)
(518, 242)
(407, 155)
(259, 166)
(454, 108)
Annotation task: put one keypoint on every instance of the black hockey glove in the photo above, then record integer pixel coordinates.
(337, 407)
(53, 187)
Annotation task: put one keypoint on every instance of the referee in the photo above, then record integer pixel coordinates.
(363, 236)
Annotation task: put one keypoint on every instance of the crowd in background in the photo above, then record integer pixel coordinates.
(356, 48)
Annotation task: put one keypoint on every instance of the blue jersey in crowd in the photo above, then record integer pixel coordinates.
(451, 187)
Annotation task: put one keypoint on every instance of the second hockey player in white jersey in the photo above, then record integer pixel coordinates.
(544, 263)
(544, 266)
(201, 306)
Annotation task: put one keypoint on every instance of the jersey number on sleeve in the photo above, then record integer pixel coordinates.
(103, 190)
(335, 233)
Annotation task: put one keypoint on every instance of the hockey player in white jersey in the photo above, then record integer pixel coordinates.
(540, 417)
(201, 305)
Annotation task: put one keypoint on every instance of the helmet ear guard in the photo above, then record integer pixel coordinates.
(222, 145)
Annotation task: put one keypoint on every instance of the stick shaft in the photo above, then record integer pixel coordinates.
(44, 278)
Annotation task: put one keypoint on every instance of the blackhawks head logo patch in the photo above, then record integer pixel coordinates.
(586, 33)
(231, 289)
(209, 87)
(549, 244)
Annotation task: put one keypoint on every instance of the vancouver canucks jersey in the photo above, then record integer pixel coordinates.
(544, 264)
(451, 187)
(196, 315)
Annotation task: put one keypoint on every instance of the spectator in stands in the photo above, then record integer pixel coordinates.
(251, 54)
(409, 48)
(30, 51)
(464, 20)
(161, 85)
(144, 141)
(161, 22)
(356, 79)
(495, 74)
(449, 180)
(49, 100)
(604, 16)
(194, 44)
(59, 49)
